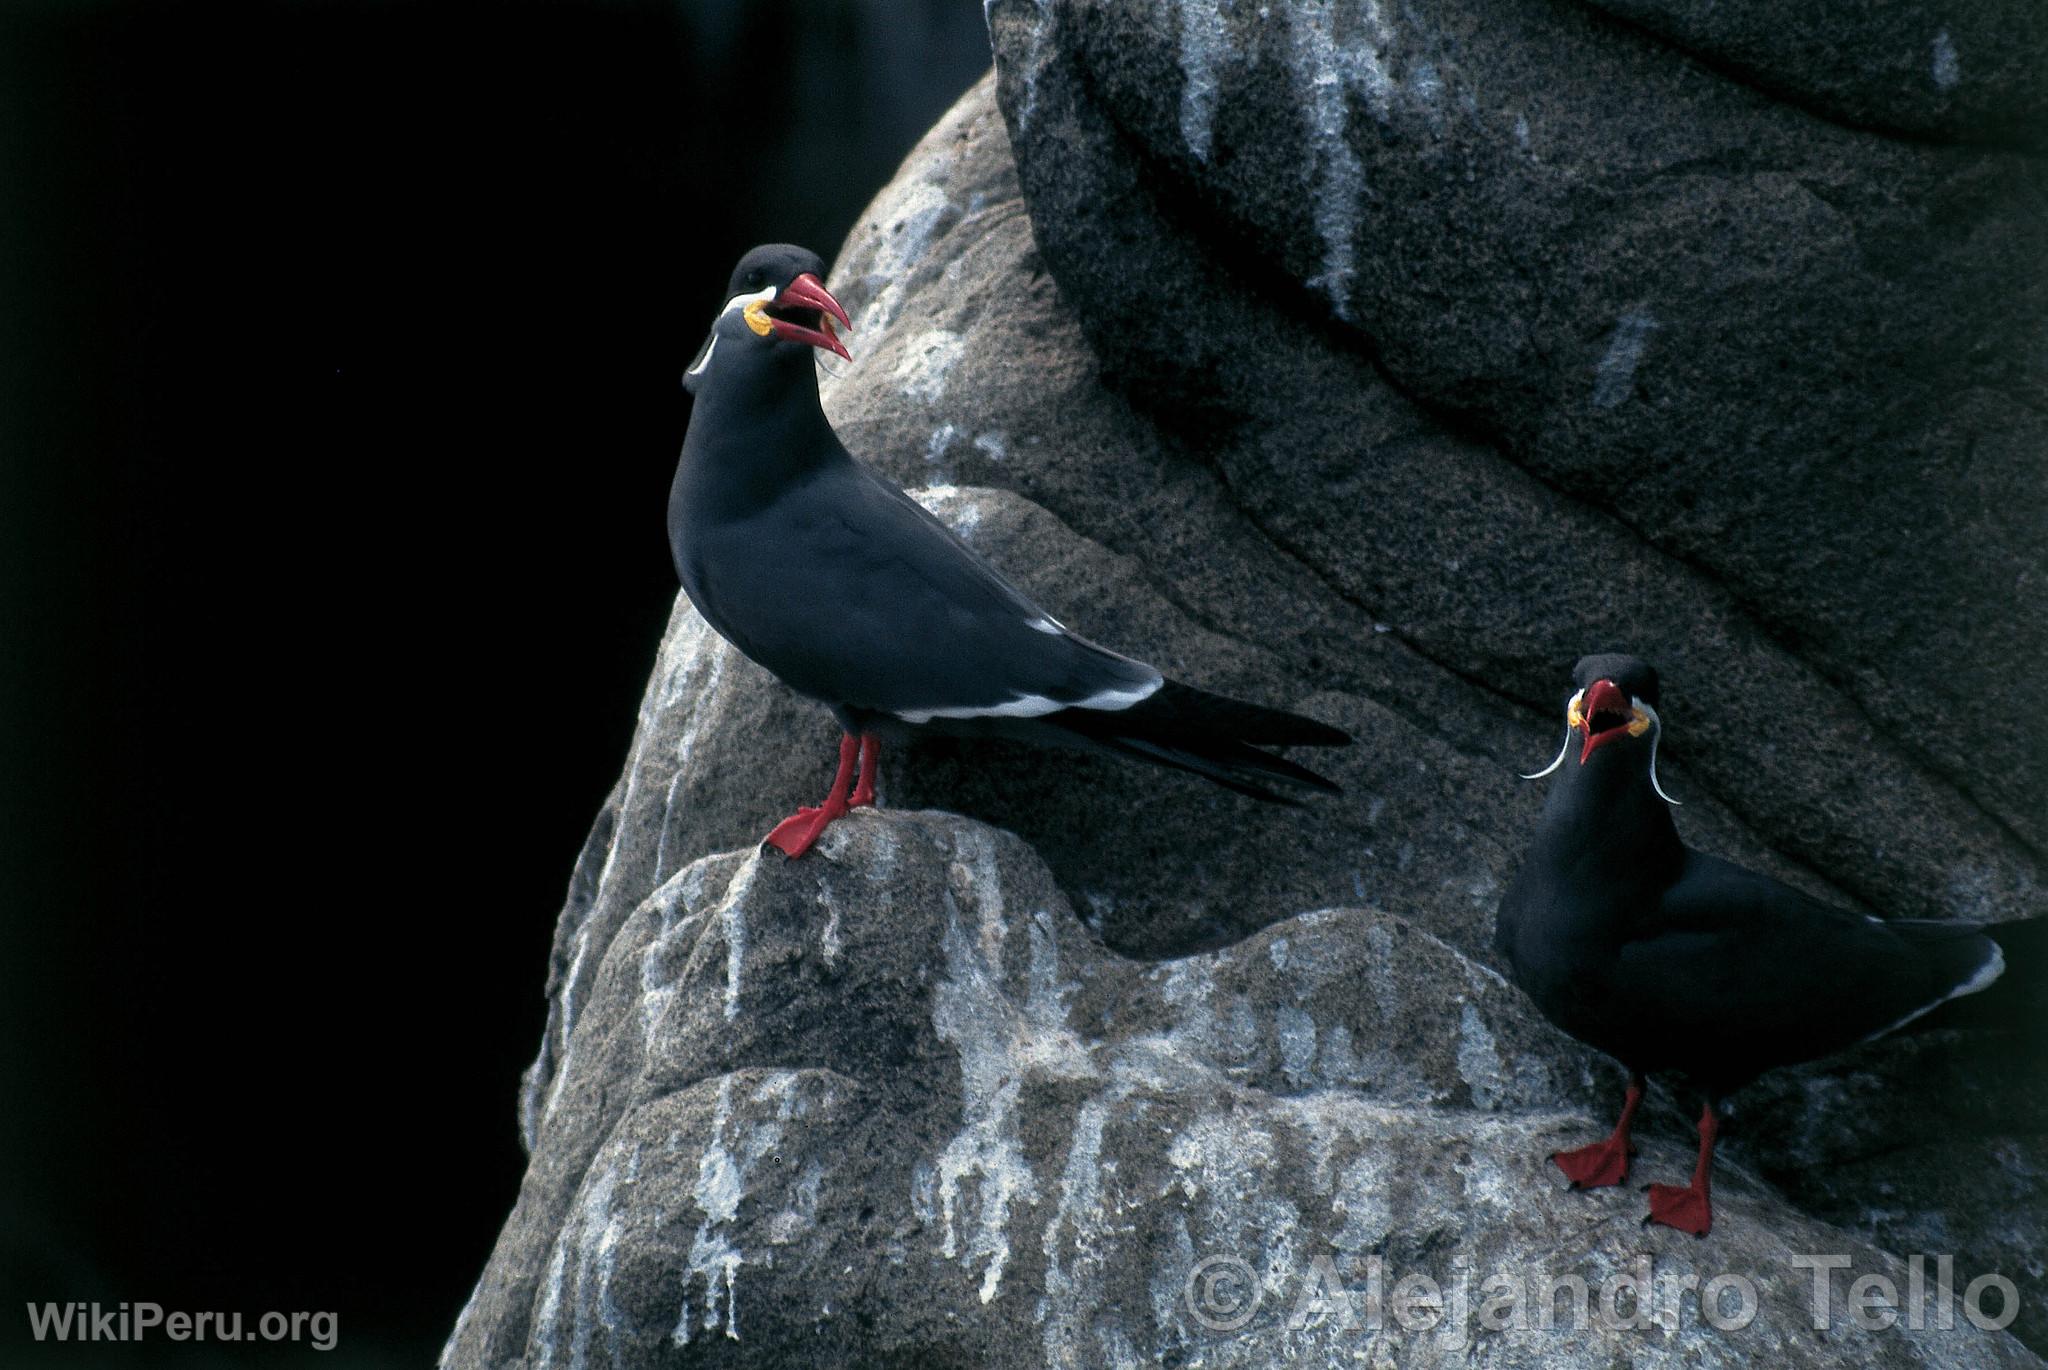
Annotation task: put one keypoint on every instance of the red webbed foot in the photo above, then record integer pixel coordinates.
(1688, 1207)
(1681, 1206)
(1604, 1162)
(1591, 1167)
(799, 832)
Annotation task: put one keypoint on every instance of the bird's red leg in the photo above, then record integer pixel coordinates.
(870, 756)
(1688, 1207)
(794, 835)
(1604, 1162)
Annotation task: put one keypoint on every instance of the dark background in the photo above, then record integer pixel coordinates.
(339, 360)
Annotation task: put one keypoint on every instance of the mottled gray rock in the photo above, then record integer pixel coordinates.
(1208, 471)
(972, 370)
(1976, 72)
(893, 1105)
(1798, 363)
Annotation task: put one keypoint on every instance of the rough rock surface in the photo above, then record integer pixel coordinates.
(1972, 73)
(893, 1105)
(1166, 433)
(1794, 364)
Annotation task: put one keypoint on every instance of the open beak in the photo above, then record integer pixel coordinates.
(1603, 714)
(804, 311)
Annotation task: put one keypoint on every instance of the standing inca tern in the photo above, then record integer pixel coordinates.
(848, 591)
(1668, 959)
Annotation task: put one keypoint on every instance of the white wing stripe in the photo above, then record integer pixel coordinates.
(1023, 706)
(1993, 967)
(1037, 706)
(1121, 699)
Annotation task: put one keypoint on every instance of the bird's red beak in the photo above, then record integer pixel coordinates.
(1605, 714)
(808, 292)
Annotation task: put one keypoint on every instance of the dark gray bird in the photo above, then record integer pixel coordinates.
(849, 592)
(1668, 959)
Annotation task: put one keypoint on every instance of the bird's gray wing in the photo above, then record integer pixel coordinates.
(1791, 977)
(853, 593)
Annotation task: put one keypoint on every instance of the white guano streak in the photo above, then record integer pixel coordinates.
(1204, 44)
(1002, 1044)
(1328, 71)
(1614, 379)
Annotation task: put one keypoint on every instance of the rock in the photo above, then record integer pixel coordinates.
(1793, 365)
(1971, 74)
(894, 1105)
(1182, 454)
(987, 380)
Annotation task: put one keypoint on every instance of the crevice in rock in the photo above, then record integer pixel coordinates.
(1732, 811)
(1300, 307)
(1296, 304)
(1795, 100)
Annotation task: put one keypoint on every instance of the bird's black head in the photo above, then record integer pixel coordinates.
(1633, 675)
(1613, 711)
(777, 307)
(1616, 701)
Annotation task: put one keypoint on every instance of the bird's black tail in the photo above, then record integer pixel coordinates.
(1213, 736)
(2017, 1001)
